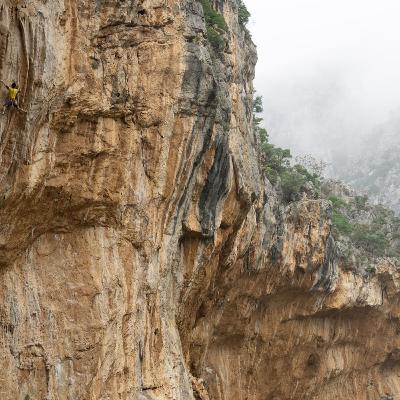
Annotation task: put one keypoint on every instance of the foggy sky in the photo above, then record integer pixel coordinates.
(329, 71)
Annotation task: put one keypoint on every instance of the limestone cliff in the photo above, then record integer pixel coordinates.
(143, 255)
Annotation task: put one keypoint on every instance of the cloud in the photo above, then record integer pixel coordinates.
(328, 71)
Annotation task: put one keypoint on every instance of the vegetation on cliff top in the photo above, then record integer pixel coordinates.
(217, 26)
(291, 180)
(373, 229)
(243, 14)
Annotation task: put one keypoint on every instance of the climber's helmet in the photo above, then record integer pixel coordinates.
(14, 85)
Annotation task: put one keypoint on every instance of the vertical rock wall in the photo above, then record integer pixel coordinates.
(142, 256)
(128, 116)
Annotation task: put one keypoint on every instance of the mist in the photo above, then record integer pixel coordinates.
(328, 72)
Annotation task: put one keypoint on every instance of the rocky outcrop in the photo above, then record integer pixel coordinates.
(142, 254)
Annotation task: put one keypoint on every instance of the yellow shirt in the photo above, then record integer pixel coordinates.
(12, 93)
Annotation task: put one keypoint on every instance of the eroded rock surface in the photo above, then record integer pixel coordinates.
(142, 254)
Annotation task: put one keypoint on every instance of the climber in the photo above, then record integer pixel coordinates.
(13, 92)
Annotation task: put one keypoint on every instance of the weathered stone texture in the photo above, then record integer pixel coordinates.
(142, 255)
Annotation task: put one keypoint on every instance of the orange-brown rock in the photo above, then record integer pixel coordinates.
(142, 254)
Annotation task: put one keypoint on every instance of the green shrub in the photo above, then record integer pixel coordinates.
(244, 14)
(292, 183)
(360, 202)
(337, 202)
(215, 39)
(395, 227)
(216, 26)
(258, 105)
(313, 178)
(368, 238)
(382, 215)
(376, 237)
(341, 224)
(276, 157)
(213, 18)
(271, 174)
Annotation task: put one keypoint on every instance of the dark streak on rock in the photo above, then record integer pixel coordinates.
(327, 274)
(215, 187)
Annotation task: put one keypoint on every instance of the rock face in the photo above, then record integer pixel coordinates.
(142, 254)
